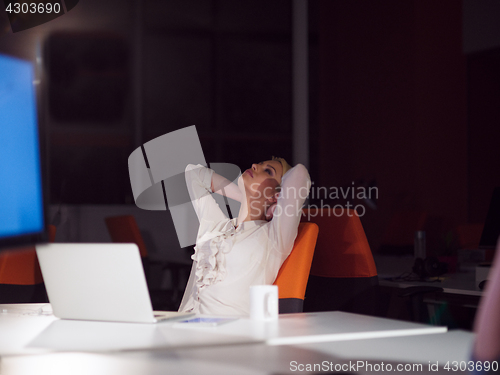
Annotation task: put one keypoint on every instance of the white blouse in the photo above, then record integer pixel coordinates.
(228, 260)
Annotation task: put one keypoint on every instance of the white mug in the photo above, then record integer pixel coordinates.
(264, 302)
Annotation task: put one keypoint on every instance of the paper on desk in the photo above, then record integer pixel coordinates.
(28, 309)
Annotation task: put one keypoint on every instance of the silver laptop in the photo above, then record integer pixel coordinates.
(98, 282)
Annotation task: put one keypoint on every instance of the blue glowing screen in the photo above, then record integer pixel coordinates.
(21, 203)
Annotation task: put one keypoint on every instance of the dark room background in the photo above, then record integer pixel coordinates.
(402, 94)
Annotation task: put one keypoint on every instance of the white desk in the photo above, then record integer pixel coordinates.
(27, 334)
(251, 359)
(24, 332)
(329, 326)
(52, 346)
(450, 346)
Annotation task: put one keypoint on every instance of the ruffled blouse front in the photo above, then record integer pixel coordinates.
(209, 255)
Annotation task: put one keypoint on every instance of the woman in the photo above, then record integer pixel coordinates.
(232, 255)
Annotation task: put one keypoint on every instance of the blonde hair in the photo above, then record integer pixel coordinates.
(284, 164)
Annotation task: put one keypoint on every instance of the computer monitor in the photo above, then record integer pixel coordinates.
(22, 208)
(491, 230)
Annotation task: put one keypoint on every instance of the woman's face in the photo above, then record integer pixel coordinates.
(261, 180)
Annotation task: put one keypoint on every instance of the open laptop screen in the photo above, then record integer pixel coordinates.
(21, 198)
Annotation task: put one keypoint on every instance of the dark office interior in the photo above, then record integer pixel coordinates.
(403, 96)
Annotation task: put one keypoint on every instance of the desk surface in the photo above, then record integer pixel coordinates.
(261, 347)
(450, 346)
(255, 359)
(23, 332)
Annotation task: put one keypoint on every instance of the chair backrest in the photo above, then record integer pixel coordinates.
(52, 233)
(342, 249)
(21, 279)
(294, 273)
(20, 266)
(124, 229)
(343, 270)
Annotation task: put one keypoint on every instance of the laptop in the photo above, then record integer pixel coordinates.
(103, 282)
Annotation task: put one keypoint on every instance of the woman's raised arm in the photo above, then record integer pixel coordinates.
(295, 187)
(223, 186)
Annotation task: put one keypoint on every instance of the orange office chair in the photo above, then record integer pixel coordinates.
(52, 233)
(124, 229)
(343, 272)
(294, 272)
(20, 276)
